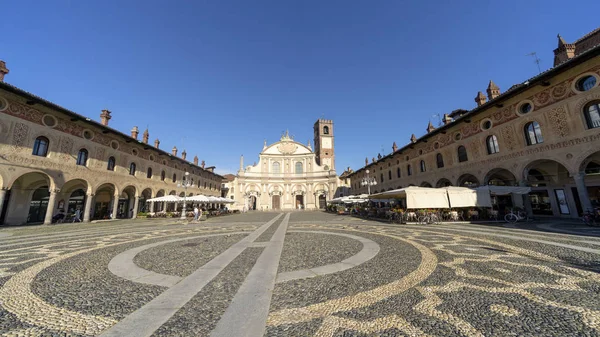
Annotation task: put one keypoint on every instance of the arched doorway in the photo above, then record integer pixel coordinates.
(144, 206)
(443, 183)
(76, 203)
(425, 184)
(252, 203)
(590, 170)
(276, 202)
(548, 179)
(126, 205)
(467, 180)
(299, 201)
(322, 201)
(28, 199)
(500, 177)
(72, 199)
(38, 205)
(159, 206)
(103, 202)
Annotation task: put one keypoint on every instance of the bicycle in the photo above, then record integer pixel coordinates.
(513, 217)
(591, 218)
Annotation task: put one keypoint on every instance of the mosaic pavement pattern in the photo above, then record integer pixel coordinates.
(296, 274)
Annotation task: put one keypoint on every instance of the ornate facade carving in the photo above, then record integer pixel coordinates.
(559, 121)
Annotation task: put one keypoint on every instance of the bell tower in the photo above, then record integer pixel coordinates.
(324, 148)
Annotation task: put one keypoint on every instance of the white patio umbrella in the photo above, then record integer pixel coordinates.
(166, 198)
(198, 198)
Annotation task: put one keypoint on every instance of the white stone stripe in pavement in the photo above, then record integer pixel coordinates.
(248, 311)
(147, 319)
(123, 266)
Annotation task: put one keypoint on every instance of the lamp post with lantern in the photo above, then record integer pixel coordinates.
(185, 183)
(368, 181)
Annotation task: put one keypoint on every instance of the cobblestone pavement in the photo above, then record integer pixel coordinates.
(299, 274)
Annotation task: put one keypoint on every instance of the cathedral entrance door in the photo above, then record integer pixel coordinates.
(299, 202)
(276, 202)
(322, 202)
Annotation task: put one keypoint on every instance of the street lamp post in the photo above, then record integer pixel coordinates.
(367, 181)
(185, 183)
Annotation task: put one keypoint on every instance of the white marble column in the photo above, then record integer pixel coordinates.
(151, 207)
(51, 207)
(115, 205)
(2, 196)
(586, 204)
(136, 202)
(88, 207)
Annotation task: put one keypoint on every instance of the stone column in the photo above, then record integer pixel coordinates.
(51, 207)
(2, 196)
(164, 207)
(586, 204)
(115, 205)
(151, 207)
(526, 200)
(88, 207)
(136, 202)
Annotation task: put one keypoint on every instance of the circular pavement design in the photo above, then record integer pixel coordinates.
(459, 281)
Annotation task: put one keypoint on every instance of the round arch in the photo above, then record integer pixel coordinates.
(467, 180)
(500, 177)
(28, 199)
(146, 194)
(443, 183)
(425, 184)
(548, 171)
(73, 196)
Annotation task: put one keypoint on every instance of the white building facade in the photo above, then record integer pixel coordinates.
(289, 175)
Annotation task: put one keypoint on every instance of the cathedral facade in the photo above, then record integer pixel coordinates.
(289, 175)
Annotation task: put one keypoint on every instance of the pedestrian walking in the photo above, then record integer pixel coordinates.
(196, 213)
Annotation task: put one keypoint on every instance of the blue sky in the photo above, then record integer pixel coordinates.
(218, 77)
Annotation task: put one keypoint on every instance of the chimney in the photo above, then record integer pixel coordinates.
(202, 164)
(394, 147)
(174, 150)
(413, 138)
(430, 127)
(493, 90)
(447, 119)
(105, 117)
(3, 70)
(183, 155)
(373, 159)
(134, 132)
(145, 136)
(196, 160)
(156, 143)
(366, 161)
(480, 99)
(564, 52)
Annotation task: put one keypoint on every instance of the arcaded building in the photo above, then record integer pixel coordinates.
(289, 175)
(543, 133)
(53, 160)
